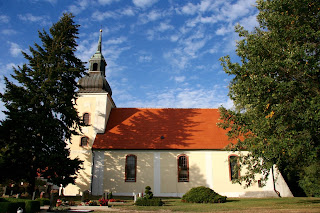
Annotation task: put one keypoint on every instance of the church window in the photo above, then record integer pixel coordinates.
(84, 141)
(131, 168)
(95, 67)
(85, 118)
(233, 163)
(183, 168)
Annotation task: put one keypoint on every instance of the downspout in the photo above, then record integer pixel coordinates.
(274, 184)
(92, 171)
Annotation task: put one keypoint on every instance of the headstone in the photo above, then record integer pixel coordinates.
(134, 197)
(33, 195)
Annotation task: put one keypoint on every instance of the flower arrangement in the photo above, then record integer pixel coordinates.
(103, 202)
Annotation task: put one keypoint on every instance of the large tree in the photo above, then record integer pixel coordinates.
(41, 115)
(276, 93)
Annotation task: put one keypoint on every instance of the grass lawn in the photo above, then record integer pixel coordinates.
(296, 204)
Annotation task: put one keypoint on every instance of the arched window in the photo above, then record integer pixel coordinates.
(95, 67)
(131, 168)
(84, 141)
(183, 168)
(233, 164)
(86, 118)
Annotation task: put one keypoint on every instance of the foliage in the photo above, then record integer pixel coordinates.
(276, 93)
(41, 114)
(203, 194)
(148, 193)
(85, 196)
(110, 196)
(32, 206)
(43, 201)
(12, 204)
(60, 208)
(143, 201)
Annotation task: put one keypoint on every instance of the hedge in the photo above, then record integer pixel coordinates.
(149, 202)
(43, 201)
(32, 206)
(10, 205)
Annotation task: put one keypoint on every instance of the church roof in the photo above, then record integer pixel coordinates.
(150, 129)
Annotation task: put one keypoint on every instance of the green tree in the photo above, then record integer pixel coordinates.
(41, 115)
(276, 92)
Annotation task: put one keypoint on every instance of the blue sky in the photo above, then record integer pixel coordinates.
(160, 53)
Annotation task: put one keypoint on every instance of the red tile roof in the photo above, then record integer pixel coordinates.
(139, 128)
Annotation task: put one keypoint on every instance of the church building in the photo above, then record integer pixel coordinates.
(169, 149)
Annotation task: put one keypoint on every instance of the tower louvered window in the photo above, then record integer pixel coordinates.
(183, 169)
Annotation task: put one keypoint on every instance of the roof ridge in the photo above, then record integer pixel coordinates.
(160, 108)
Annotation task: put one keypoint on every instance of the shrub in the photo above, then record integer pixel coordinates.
(32, 206)
(43, 201)
(203, 194)
(148, 193)
(110, 196)
(149, 202)
(11, 207)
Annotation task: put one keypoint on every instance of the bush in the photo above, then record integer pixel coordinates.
(43, 201)
(110, 196)
(148, 193)
(149, 202)
(11, 207)
(32, 206)
(203, 194)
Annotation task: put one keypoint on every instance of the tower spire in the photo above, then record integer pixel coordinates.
(99, 42)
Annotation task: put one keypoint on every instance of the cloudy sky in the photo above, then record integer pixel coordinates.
(160, 53)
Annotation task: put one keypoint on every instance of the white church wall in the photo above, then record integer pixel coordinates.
(158, 169)
(98, 105)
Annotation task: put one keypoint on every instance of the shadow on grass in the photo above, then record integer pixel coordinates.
(231, 200)
(309, 201)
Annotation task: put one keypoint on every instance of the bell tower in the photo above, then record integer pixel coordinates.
(97, 61)
(94, 105)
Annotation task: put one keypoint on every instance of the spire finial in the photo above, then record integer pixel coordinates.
(99, 42)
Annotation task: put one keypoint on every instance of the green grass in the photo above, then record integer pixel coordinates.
(234, 205)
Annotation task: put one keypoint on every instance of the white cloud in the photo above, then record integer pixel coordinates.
(145, 58)
(249, 22)
(189, 9)
(14, 49)
(128, 11)
(8, 32)
(144, 3)
(164, 27)
(43, 20)
(175, 98)
(79, 6)
(103, 15)
(180, 79)
(241, 8)
(104, 2)
(4, 19)
(119, 40)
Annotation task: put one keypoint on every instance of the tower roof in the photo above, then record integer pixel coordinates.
(95, 81)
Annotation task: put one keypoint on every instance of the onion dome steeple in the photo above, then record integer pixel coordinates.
(95, 82)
